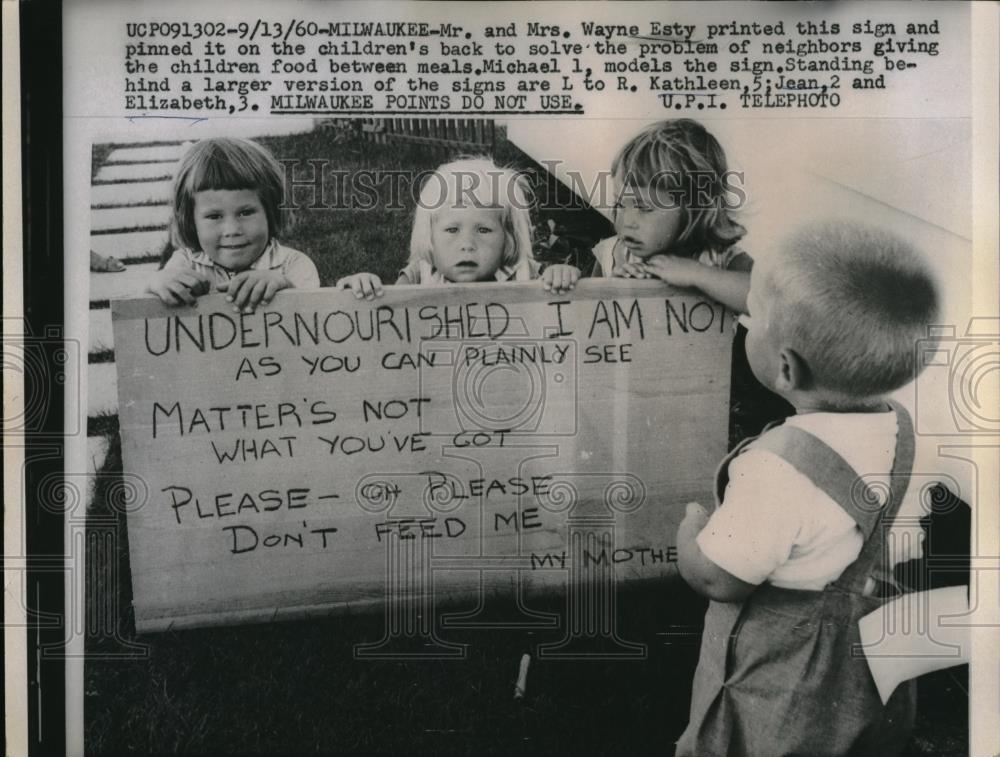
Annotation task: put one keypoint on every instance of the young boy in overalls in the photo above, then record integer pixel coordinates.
(794, 555)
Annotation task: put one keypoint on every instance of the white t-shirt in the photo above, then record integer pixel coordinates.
(775, 525)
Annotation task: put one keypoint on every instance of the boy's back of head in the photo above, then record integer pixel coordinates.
(853, 301)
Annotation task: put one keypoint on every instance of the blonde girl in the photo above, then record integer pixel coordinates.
(472, 224)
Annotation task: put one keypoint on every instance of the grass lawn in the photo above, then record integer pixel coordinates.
(296, 687)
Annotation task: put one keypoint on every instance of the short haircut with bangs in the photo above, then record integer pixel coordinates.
(226, 163)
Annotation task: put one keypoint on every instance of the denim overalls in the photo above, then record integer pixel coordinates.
(782, 672)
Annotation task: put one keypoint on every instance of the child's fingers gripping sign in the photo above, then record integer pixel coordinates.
(364, 285)
(179, 287)
(248, 289)
(197, 282)
(176, 293)
(560, 278)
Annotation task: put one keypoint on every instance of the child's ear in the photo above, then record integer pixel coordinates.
(793, 371)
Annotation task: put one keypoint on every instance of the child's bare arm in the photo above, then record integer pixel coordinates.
(725, 286)
(703, 575)
(634, 269)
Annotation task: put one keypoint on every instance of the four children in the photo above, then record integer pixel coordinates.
(832, 320)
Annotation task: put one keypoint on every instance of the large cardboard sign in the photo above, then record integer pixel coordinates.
(323, 451)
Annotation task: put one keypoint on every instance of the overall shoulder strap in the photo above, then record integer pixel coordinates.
(827, 470)
(873, 551)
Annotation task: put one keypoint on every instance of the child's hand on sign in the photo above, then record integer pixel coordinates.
(559, 278)
(681, 272)
(364, 285)
(248, 289)
(178, 286)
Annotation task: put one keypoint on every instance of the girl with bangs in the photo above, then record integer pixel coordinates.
(226, 222)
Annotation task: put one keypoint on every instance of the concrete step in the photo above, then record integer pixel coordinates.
(133, 244)
(100, 336)
(136, 171)
(129, 218)
(152, 152)
(131, 193)
(102, 389)
(127, 283)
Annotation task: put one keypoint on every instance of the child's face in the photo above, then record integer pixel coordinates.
(231, 225)
(647, 221)
(468, 243)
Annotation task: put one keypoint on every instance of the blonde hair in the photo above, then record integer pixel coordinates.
(681, 157)
(226, 163)
(479, 182)
(853, 301)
